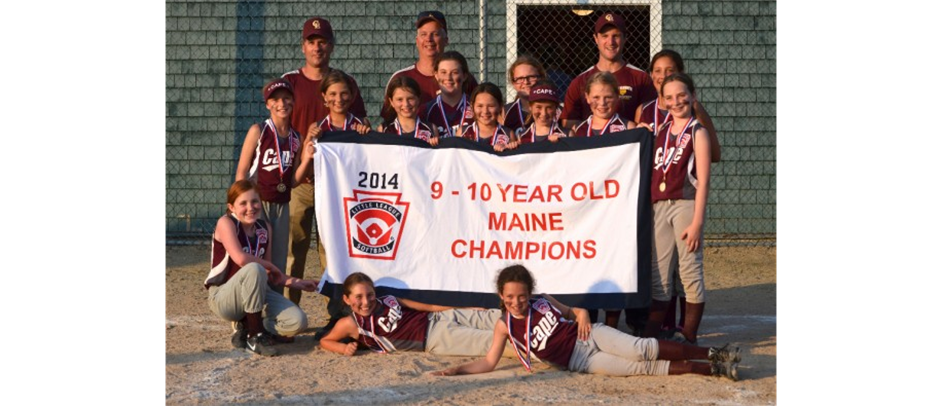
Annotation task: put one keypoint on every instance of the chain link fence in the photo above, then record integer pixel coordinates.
(219, 53)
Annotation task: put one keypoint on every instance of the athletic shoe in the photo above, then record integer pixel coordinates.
(279, 339)
(238, 335)
(727, 369)
(260, 344)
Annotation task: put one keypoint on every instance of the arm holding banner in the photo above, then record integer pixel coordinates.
(580, 316)
(486, 364)
(343, 329)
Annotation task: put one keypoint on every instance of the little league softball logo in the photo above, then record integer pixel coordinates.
(374, 223)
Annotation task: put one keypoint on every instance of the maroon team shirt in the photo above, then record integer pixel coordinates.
(428, 87)
(447, 118)
(501, 135)
(422, 130)
(635, 88)
(309, 103)
(649, 117)
(529, 136)
(681, 174)
(403, 327)
(222, 267)
(613, 125)
(267, 169)
(515, 116)
(326, 125)
(552, 338)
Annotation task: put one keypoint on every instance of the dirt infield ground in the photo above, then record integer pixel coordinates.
(203, 368)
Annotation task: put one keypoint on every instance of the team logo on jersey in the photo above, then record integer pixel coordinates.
(374, 223)
(617, 127)
(390, 301)
(262, 235)
(468, 114)
(624, 90)
(423, 135)
(542, 306)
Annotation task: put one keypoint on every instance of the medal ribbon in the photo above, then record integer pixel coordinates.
(669, 158)
(520, 113)
(282, 167)
(526, 363)
(399, 126)
(248, 242)
(371, 333)
(609, 123)
(477, 133)
(461, 110)
(346, 122)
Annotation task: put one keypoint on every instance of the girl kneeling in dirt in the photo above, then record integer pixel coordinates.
(244, 286)
(545, 327)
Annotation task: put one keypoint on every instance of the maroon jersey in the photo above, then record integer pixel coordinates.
(421, 131)
(551, 337)
(221, 266)
(516, 117)
(501, 135)
(613, 125)
(634, 88)
(681, 177)
(272, 164)
(347, 125)
(428, 89)
(448, 119)
(655, 120)
(309, 102)
(392, 327)
(530, 136)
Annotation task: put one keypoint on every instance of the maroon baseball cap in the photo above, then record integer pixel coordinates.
(544, 92)
(318, 26)
(433, 15)
(610, 19)
(275, 85)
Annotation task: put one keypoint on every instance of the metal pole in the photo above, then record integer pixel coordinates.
(482, 37)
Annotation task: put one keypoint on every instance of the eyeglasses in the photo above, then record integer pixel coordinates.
(523, 79)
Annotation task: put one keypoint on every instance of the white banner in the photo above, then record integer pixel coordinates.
(448, 219)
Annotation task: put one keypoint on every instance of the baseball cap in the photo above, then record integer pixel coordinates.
(610, 19)
(435, 15)
(274, 85)
(544, 92)
(318, 26)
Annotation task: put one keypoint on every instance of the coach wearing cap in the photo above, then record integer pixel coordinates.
(431, 38)
(317, 43)
(634, 85)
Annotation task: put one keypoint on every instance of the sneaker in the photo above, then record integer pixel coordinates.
(724, 354)
(238, 335)
(727, 369)
(260, 344)
(279, 339)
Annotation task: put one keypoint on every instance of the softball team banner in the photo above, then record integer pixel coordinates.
(437, 224)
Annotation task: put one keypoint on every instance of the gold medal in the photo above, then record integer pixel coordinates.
(282, 188)
(663, 186)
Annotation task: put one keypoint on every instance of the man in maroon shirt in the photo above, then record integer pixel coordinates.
(634, 85)
(317, 43)
(431, 38)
